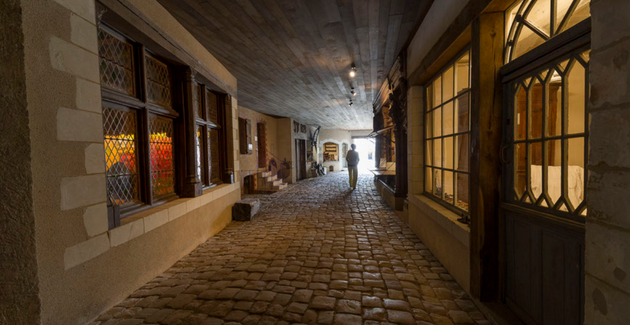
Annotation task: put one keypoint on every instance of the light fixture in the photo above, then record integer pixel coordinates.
(353, 92)
(353, 71)
(350, 103)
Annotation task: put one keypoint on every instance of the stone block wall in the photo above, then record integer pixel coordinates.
(249, 163)
(82, 267)
(608, 222)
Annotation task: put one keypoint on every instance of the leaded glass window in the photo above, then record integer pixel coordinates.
(530, 23)
(447, 134)
(550, 141)
(116, 62)
(161, 155)
(138, 137)
(120, 130)
(158, 82)
(213, 152)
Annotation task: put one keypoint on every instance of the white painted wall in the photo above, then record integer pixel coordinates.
(338, 137)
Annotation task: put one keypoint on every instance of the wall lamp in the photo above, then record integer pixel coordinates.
(353, 71)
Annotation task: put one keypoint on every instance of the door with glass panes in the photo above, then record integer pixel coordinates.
(545, 153)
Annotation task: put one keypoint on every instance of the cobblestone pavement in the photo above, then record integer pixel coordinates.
(317, 253)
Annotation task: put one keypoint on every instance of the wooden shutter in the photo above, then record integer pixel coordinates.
(262, 145)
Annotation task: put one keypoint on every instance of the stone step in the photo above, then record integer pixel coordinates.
(280, 187)
(266, 174)
(277, 182)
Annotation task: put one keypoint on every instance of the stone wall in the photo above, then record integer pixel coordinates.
(608, 224)
(19, 287)
(249, 163)
(434, 224)
(286, 145)
(84, 268)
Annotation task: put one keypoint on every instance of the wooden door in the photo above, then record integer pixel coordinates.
(300, 159)
(544, 190)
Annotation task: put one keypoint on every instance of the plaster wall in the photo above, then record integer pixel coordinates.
(338, 137)
(249, 163)
(84, 268)
(19, 286)
(439, 17)
(608, 225)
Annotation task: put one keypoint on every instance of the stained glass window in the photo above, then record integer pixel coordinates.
(161, 155)
(116, 62)
(530, 23)
(213, 151)
(158, 82)
(120, 155)
(447, 135)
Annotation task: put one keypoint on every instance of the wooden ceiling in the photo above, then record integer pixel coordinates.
(292, 58)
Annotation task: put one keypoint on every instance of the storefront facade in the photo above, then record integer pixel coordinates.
(502, 106)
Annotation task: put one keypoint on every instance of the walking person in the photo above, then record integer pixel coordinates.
(352, 157)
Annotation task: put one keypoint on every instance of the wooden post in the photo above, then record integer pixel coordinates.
(485, 164)
(192, 186)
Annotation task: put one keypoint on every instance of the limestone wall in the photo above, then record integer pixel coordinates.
(83, 268)
(249, 163)
(286, 145)
(608, 223)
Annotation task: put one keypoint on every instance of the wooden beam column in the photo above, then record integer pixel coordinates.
(485, 163)
(188, 155)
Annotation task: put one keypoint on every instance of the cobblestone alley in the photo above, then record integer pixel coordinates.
(317, 253)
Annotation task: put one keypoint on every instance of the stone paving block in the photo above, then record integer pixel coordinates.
(245, 210)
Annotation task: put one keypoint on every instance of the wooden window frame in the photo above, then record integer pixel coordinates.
(144, 110)
(261, 131)
(574, 213)
(465, 214)
(245, 136)
(206, 126)
(514, 28)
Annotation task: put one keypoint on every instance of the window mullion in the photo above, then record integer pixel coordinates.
(144, 154)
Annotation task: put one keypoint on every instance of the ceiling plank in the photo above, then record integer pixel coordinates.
(293, 57)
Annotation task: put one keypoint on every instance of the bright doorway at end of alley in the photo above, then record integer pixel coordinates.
(365, 147)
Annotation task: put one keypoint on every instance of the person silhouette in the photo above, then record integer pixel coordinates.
(352, 157)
